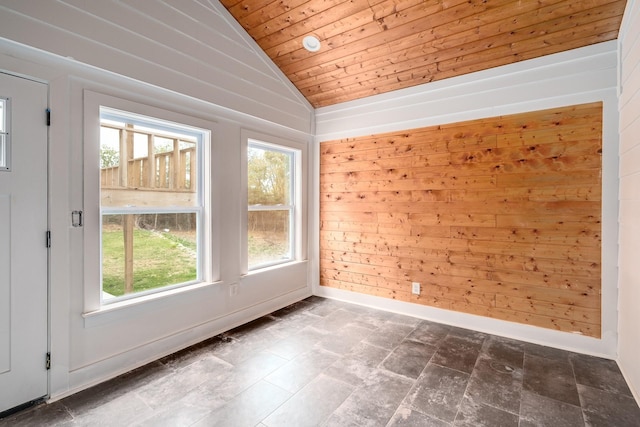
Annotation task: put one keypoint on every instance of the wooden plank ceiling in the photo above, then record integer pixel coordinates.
(376, 46)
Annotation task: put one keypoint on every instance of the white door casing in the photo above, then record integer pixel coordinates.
(23, 252)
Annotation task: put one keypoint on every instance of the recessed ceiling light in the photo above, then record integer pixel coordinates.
(311, 43)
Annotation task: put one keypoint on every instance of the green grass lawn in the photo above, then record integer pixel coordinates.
(162, 259)
(159, 259)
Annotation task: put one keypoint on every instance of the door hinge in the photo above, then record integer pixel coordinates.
(47, 362)
(47, 240)
(48, 117)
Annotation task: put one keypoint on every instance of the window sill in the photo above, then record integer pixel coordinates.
(118, 310)
(273, 267)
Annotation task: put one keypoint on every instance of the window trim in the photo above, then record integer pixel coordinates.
(5, 134)
(298, 197)
(209, 235)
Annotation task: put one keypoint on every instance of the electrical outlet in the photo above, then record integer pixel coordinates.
(233, 289)
(415, 288)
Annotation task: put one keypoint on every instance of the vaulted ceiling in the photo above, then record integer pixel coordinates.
(376, 46)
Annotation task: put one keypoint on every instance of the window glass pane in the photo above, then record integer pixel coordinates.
(269, 176)
(270, 181)
(269, 237)
(162, 252)
(150, 203)
(138, 166)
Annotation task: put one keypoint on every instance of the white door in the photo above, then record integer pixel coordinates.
(23, 252)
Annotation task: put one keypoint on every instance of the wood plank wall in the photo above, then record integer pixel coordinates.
(498, 217)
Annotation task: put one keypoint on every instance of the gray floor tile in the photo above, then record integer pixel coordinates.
(457, 353)
(374, 402)
(598, 373)
(429, 333)
(496, 384)
(290, 311)
(345, 365)
(55, 414)
(296, 373)
(101, 394)
(288, 326)
(468, 334)
(358, 364)
(407, 417)
(438, 392)
(477, 414)
(125, 410)
(312, 405)
(324, 308)
(176, 385)
(336, 320)
(248, 408)
(344, 339)
(505, 350)
(401, 319)
(389, 335)
(551, 378)
(603, 409)
(176, 414)
(214, 393)
(546, 352)
(245, 344)
(536, 410)
(298, 343)
(409, 358)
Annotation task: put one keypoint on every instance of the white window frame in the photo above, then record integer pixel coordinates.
(208, 235)
(5, 136)
(298, 206)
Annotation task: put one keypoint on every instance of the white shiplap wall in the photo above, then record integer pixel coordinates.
(629, 269)
(579, 76)
(191, 47)
(185, 56)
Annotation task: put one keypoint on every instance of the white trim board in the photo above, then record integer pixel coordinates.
(535, 84)
(518, 331)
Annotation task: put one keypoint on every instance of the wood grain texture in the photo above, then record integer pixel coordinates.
(498, 217)
(379, 46)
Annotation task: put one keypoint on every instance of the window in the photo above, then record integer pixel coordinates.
(273, 194)
(4, 134)
(152, 204)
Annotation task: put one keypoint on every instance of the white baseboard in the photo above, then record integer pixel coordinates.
(604, 347)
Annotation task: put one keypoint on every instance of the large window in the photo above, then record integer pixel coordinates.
(152, 204)
(272, 199)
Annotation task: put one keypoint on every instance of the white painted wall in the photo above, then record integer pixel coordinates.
(580, 76)
(184, 56)
(190, 47)
(629, 281)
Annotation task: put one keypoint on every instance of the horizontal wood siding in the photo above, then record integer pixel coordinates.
(498, 217)
(378, 46)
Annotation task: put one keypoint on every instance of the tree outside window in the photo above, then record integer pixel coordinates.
(271, 204)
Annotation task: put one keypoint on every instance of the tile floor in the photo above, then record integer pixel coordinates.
(327, 363)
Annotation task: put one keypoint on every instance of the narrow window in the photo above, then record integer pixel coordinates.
(151, 204)
(271, 173)
(4, 134)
